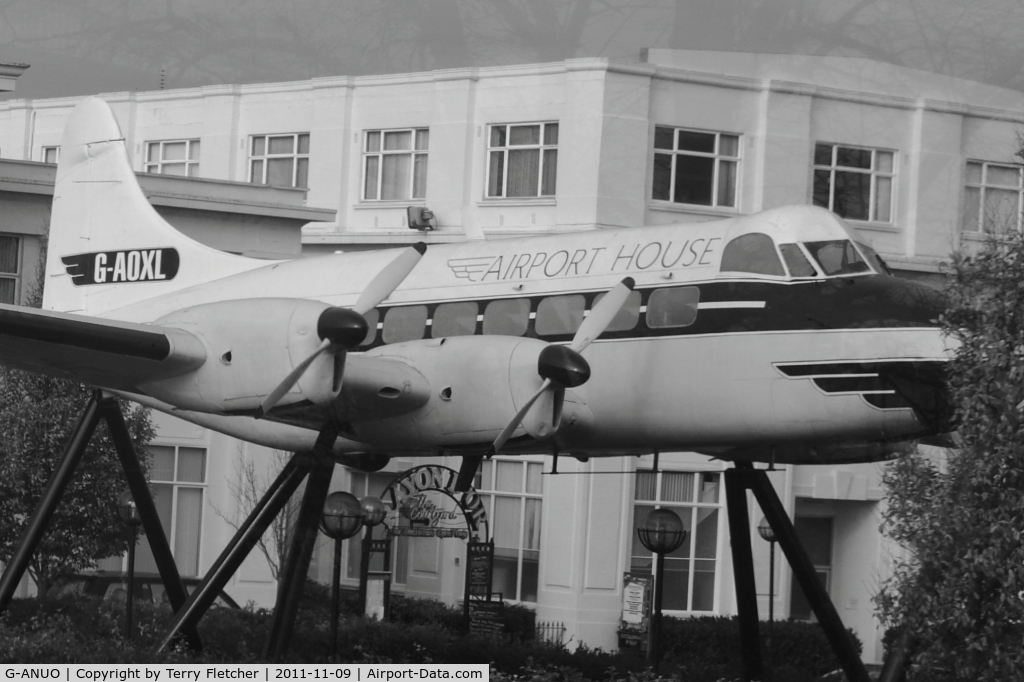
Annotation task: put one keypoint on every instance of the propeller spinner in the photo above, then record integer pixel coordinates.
(342, 329)
(561, 367)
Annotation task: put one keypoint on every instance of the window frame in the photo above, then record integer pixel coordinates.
(489, 493)
(693, 508)
(296, 155)
(45, 151)
(175, 486)
(414, 154)
(982, 186)
(191, 164)
(16, 275)
(718, 160)
(873, 172)
(543, 148)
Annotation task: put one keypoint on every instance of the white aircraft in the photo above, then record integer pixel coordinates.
(777, 337)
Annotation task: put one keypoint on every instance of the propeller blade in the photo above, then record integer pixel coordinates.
(388, 279)
(602, 314)
(290, 380)
(506, 433)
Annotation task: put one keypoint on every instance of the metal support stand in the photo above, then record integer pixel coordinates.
(300, 552)
(894, 668)
(246, 537)
(107, 408)
(737, 481)
(55, 488)
(110, 410)
(743, 570)
(153, 528)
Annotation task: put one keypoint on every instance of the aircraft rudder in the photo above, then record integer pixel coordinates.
(108, 247)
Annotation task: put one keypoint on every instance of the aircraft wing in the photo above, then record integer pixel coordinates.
(95, 351)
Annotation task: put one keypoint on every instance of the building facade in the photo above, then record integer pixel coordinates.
(920, 164)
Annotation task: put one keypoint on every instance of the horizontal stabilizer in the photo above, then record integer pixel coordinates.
(103, 353)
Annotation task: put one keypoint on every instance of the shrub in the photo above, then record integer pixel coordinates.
(708, 648)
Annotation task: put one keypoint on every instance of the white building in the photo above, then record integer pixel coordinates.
(920, 164)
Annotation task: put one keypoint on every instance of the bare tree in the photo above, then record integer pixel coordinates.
(247, 489)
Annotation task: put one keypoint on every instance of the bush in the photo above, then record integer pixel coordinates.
(708, 648)
(82, 629)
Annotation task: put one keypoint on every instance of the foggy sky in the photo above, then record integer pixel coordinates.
(80, 47)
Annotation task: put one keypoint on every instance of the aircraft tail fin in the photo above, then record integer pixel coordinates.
(108, 247)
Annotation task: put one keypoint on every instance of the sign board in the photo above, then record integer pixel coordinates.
(422, 502)
(377, 588)
(636, 610)
(486, 618)
(479, 563)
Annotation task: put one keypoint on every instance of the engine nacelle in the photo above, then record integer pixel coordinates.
(367, 462)
(477, 385)
(251, 346)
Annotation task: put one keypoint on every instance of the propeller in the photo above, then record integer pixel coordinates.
(561, 367)
(342, 329)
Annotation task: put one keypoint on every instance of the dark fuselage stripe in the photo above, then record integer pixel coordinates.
(866, 302)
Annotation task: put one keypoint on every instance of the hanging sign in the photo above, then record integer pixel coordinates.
(423, 503)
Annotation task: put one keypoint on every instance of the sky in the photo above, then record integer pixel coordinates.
(83, 47)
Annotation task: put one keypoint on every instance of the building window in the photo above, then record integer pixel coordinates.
(695, 167)
(816, 536)
(50, 154)
(522, 160)
(992, 198)
(854, 182)
(10, 273)
(691, 570)
(173, 157)
(279, 160)
(178, 480)
(511, 493)
(395, 165)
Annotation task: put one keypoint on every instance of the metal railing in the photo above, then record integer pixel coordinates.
(550, 632)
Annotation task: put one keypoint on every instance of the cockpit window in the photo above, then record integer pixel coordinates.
(796, 261)
(837, 257)
(876, 261)
(754, 253)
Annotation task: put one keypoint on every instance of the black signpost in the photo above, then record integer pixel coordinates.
(482, 615)
(375, 575)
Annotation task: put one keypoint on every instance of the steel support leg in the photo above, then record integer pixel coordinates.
(246, 537)
(300, 551)
(55, 488)
(803, 571)
(743, 570)
(110, 409)
(895, 664)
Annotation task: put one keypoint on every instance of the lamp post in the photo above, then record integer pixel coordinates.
(129, 514)
(341, 519)
(764, 529)
(661, 534)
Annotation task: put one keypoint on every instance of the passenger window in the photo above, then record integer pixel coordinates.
(372, 318)
(628, 314)
(754, 253)
(508, 317)
(454, 319)
(796, 261)
(559, 315)
(672, 307)
(405, 323)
